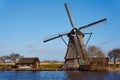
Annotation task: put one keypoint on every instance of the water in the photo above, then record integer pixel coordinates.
(58, 75)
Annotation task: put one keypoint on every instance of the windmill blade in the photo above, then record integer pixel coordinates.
(46, 39)
(69, 15)
(91, 24)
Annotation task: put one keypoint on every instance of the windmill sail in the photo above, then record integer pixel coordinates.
(46, 39)
(69, 15)
(91, 24)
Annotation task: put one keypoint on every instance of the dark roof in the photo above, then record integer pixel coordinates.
(27, 60)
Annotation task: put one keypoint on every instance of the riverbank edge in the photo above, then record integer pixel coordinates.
(113, 70)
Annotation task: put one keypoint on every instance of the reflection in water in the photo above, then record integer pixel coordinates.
(83, 75)
(58, 75)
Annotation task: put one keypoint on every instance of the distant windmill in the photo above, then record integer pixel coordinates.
(76, 53)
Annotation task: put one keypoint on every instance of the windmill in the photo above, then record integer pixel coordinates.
(76, 53)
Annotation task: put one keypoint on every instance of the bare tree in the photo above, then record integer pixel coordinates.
(94, 51)
(4, 58)
(96, 55)
(14, 56)
(114, 55)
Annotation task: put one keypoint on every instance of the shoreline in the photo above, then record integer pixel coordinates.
(113, 70)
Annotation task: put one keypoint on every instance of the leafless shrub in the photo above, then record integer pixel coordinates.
(96, 56)
(114, 55)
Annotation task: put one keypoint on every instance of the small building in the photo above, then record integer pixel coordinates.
(28, 64)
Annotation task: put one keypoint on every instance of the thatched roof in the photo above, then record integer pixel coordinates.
(27, 60)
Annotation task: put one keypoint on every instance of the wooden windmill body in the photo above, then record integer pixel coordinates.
(76, 53)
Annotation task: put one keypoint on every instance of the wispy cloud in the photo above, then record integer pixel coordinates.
(6, 50)
(40, 48)
(33, 48)
(31, 45)
(107, 42)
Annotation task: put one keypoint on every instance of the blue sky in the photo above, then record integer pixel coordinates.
(24, 23)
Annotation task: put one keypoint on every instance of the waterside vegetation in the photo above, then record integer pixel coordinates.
(97, 61)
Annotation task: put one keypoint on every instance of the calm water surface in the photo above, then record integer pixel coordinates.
(58, 75)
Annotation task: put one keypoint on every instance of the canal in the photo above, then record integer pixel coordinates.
(58, 75)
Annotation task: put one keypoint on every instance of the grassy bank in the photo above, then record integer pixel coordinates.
(43, 66)
(51, 66)
(7, 67)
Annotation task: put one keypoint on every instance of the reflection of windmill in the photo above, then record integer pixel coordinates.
(76, 53)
